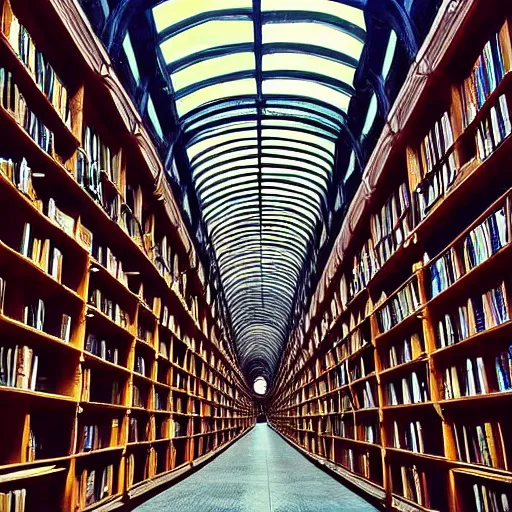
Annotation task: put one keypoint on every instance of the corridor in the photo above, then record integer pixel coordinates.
(259, 473)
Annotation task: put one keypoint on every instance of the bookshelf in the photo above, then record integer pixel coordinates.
(113, 370)
(398, 377)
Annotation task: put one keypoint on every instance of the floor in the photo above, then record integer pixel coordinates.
(259, 473)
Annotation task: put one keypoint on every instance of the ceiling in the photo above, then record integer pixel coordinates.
(269, 109)
(261, 93)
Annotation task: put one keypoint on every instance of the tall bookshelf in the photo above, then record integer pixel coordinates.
(399, 376)
(114, 375)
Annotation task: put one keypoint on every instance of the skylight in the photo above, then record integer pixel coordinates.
(261, 98)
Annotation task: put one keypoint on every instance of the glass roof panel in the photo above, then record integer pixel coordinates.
(317, 174)
(309, 63)
(212, 178)
(198, 147)
(289, 152)
(314, 34)
(344, 12)
(308, 89)
(225, 148)
(288, 144)
(223, 157)
(212, 68)
(211, 34)
(231, 115)
(299, 137)
(171, 12)
(246, 86)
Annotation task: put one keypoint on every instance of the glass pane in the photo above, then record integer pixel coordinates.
(207, 35)
(310, 63)
(283, 144)
(212, 68)
(247, 86)
(209, 162)
(230, 115)
(344, 12)
(294, 176)
(242, 168)
(196, 148)
(285, 151)
(276, 113)
(299, 137)
(173, 11)
(308, 89)
(277, 121)
(248, 162)
(300, 186)
(233, 185)
(315, 170)
(224, 148)
(130, 56)
(312, 33)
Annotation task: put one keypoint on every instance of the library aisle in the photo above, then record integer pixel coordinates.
(259, 473)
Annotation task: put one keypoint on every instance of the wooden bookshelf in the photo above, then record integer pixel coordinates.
(114, 373)
(398, 376)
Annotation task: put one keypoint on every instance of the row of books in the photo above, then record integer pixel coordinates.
(477, 246)
(102, 349)
(136, 434)
(96, 484)
(13, 501)
(401, 305)
(504, 369)
(138, 397)
(480, 313)
(18, 367)
(491, 500)
(108, 307)
(476, 444)
(366, 396)
(71, 226)
(494, 128)
(371, 433)
(97, 436)
(13, 101)
(437, 168)
(467, 379)
(140, 365)
(34, 316)
(19, 173)
(414, 485)
(412, 389)
(97, 163)
(105, 257)
(144, 334)
(410, 437)
(486, 75)
(365, 266)
(401, 353)
(392, 225)
(42, 252)
(40, 68)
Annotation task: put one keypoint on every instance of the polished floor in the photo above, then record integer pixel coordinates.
(259, 473)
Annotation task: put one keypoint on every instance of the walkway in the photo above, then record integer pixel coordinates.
(259, 473)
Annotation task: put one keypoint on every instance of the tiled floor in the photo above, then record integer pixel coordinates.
(259, 473)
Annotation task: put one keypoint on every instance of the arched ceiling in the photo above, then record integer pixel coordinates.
(261, 89)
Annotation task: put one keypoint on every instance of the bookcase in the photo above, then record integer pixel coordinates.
(398, 377)
(114, 373)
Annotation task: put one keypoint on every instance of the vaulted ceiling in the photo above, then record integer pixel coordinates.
(268, 99)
